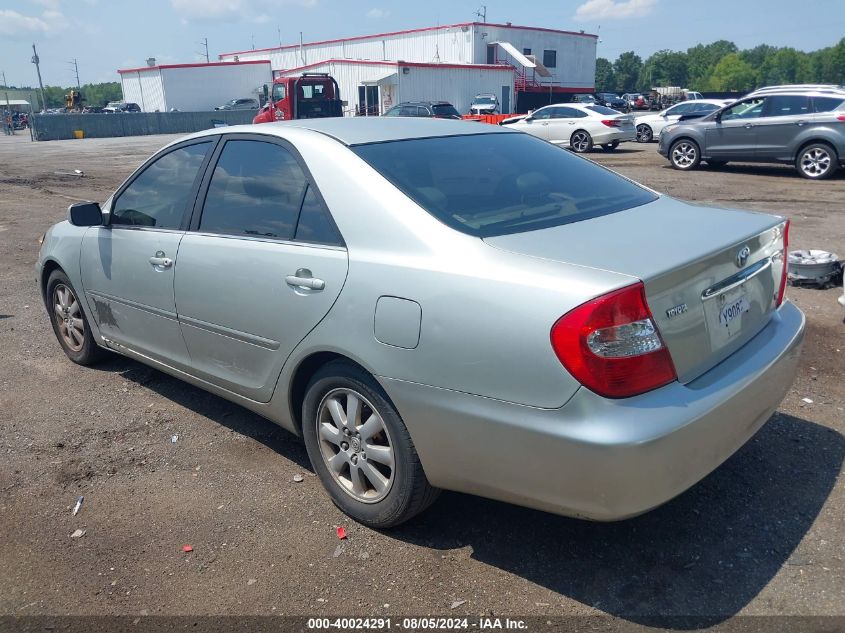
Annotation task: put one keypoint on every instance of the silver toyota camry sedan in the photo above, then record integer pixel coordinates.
(439, 305)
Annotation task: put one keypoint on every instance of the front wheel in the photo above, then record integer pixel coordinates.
(69, 322)
(609, 147)
(684, 155)
(816, 161)
(360, 448)
(581, 141)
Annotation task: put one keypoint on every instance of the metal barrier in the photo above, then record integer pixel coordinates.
(52, 127)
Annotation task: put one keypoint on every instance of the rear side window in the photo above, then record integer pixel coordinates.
(445, 109)
(787, 105)
(160, 195)
(314, 222)
(257, 189)
(602, 110)
(828, 104)
(501, 183)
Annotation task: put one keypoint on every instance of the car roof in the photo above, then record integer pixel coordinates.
(362, 130)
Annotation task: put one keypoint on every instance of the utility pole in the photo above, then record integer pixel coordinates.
(37, 63)
(253, 42)
(205, 44)
(482, 13)
(8, 107)
(76, 71)
(279, 32)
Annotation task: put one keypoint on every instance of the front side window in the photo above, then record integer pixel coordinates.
(705, 107)
(550, 59)
(278, 92)
(256, 189)
(749, 109)
(160, 196)
(445, 110)
(501, 183)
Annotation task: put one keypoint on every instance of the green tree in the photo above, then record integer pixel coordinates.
(627, 68)
(605, 78)
(732, 74)
(664, 68)
(702, 59)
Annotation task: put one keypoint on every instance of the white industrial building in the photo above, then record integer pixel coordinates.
(193, 87)
(523, 66)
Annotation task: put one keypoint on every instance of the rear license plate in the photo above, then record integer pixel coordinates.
(731, 310)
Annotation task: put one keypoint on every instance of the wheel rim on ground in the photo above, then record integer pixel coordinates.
(684, 154)
(815, 162)
(580, 141)
(68, 317)
(355, 445)
(643, 134)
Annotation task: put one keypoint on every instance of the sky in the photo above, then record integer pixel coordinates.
(104, 35)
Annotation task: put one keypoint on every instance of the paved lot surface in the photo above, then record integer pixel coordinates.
(764, 534)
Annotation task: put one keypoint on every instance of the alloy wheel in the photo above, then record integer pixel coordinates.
(355, 445)
(643, 133)
(68, 317)
(684, 155)
(580, 141)
(815, 162)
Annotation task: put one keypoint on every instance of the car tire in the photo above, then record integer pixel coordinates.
(70, 325)
(684, 154)
(379, 493)
(817, 161)
(644, 133)
(581, 142)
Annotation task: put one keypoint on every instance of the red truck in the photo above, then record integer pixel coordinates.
(308, 96)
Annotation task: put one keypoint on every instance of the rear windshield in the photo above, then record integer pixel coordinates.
(602, 110)
(497, 184)
(444, 109)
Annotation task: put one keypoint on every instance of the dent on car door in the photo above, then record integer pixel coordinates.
(734, 136)
(127, 266)
(260, 268)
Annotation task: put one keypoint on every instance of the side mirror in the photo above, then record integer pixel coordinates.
(718, 117)
(85, 214)
(529, 118)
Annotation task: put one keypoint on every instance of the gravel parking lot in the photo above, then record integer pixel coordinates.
(764, 534)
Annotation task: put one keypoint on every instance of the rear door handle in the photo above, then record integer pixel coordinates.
(800, 123)
(303, 279)
(748, 126)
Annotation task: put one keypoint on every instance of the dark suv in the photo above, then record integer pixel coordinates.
(802, 127)
(611, 100)
(434, 109)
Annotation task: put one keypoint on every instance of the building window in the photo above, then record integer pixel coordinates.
(491, 53)
(550, 59)
(526, 51)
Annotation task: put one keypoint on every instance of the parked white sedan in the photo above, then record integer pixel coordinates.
(649, 126)
(578, 126)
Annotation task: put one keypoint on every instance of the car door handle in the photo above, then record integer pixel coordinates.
(161, 262)
(303, 279)
(800, 123)
(748, 126)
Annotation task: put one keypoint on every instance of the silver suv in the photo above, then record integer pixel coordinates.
(804, 127)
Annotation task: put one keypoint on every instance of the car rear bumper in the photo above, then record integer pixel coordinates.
(614, 134)
(598, 458)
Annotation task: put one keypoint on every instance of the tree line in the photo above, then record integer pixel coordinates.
(54, 96)
(721, 67)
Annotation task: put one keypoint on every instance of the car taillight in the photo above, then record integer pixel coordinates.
(785, 258)
(611, 122)
(841, 117)
(611, 345)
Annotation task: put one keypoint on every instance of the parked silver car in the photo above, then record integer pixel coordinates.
(805, 128)
(436, 304)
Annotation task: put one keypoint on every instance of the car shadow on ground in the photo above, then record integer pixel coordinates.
(219, 410)
(693, 562)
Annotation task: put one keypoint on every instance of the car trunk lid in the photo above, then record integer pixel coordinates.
(711, 275)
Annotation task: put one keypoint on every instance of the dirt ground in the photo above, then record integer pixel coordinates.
(764, 534)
